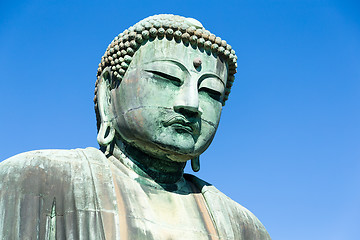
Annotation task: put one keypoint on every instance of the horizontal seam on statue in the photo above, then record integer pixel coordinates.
(165, 225)
(210, 123)
(89, 210)
(132, 109)
(143, 106)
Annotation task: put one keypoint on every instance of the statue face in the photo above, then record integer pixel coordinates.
(169, 101)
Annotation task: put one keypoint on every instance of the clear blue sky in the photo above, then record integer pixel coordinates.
(288, 145)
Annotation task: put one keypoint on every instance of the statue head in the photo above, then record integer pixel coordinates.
(161, 86)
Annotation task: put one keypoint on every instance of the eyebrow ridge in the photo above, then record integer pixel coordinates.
(175, 62)
(210, 74)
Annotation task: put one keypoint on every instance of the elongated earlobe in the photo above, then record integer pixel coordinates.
(106, 134)
(195, 164)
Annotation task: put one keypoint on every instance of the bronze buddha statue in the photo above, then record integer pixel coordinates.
(160, 88)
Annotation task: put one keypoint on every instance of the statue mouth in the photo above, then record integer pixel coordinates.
(181, 128)
(182, 125)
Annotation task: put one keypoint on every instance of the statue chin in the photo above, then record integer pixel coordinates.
(161, 150)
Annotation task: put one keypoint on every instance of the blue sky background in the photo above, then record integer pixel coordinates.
(288, 145)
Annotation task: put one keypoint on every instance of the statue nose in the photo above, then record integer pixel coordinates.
(187, 101)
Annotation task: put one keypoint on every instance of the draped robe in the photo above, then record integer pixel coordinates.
(76, 194)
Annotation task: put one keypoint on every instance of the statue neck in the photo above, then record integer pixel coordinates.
(160, 170)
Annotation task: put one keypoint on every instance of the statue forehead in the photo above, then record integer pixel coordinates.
(170, 51)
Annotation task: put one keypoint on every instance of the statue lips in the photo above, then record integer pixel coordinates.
(181, 124)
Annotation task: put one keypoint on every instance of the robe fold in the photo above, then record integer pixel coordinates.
(71, 194)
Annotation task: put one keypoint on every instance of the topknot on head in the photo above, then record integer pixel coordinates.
(169, 21)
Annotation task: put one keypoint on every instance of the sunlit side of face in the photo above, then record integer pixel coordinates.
(165, 105)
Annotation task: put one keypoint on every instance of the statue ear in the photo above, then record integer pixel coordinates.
(107, 131)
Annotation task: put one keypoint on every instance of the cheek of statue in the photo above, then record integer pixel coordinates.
(209, 122)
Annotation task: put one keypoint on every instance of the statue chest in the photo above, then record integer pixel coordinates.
(148, 211)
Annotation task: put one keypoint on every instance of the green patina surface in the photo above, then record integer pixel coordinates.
(160, 90)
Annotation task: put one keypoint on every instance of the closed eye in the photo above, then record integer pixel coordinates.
(176, 81)
(211, 92)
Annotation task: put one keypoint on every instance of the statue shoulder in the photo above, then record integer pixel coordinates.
(226, 212)
(46, 161)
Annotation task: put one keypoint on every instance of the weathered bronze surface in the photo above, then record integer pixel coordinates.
(159, 93)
